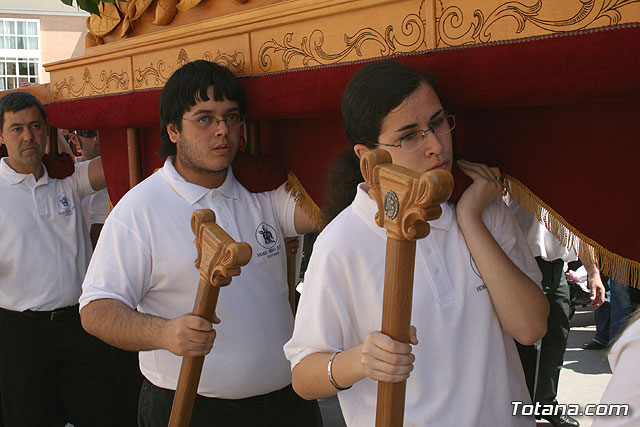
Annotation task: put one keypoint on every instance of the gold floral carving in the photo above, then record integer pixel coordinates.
(311, 52)
(132, 10)
(455, 29)
(141, 76)
(110, 82)
(109, 19)
(234, 61)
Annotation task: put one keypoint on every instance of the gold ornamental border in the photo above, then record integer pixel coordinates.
(293, 35)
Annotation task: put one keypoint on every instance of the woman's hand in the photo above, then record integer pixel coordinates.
(385, 359)
(486, 186)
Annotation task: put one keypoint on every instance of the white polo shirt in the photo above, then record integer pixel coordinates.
(467, 370)
(95, 207)
(145, 258)
(624, 385)
(44, 249)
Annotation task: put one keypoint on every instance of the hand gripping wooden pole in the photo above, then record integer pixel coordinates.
(219, 259)
(406, 201)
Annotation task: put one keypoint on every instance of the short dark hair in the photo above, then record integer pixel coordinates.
(374, 91)
(18, 101)
(187, 86)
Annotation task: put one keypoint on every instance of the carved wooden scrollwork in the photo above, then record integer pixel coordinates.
(219, 256)
(416, 196)
(311, 52)
(457, 29)
(109, 82)
(157, 74)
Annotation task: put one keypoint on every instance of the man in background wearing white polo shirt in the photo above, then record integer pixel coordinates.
(45, 356)
(144, 261)
(95, 208)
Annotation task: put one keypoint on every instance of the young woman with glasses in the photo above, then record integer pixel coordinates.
(475, 284)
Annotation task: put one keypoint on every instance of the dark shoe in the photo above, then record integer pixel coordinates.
(594, 345)
(562, 420)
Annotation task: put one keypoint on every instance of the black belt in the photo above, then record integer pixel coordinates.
(53, 315)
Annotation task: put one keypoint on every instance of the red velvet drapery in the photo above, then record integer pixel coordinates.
(558, 113)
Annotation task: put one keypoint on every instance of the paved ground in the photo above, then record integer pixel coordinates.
(582, 380)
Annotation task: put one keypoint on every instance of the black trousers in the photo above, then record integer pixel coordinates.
(281, 408)
(45, 363)
(554, 342)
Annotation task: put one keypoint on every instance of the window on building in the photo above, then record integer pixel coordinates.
(19, 52)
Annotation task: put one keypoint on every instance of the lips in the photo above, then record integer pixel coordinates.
(442, 165)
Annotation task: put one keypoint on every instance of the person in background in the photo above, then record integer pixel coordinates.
(542, 363)
(46, 357)
(95, 208)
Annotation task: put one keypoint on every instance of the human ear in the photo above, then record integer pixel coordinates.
(172, 130)
(360, 149)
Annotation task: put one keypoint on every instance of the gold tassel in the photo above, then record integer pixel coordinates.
(623, 270)
(302, 198)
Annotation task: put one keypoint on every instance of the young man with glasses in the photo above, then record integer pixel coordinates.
(142, 280)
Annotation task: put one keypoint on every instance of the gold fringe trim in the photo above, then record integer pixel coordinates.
(302, 198)
(621, 269)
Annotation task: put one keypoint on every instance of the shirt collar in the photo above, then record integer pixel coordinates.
(192, 193)
(366, 208)
(14, 177)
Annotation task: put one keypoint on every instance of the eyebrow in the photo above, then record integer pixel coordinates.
(414, 125)
(195, 113)
(25, 124)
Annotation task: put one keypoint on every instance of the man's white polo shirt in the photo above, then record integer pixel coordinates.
(44, 250)
(145, 258)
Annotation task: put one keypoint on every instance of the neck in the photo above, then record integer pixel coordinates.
(201, 177)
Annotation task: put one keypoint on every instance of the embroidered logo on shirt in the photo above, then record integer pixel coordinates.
(474, 268)
(64, 207)
(267, 237)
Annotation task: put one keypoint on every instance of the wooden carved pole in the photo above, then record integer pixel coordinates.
(406, 201)
(219, 259)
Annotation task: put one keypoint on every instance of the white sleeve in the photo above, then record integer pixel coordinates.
(322, 312)
(120, 267)
(504, 228)
(99, 207)
(285, 207)
(624, 385)
(79, 180)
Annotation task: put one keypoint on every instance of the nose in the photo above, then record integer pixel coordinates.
(433, 146)
(222, 129)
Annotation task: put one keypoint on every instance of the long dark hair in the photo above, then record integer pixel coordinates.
(373, 91)
(187, 86)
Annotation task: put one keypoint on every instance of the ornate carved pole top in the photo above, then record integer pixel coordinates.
(219, 256)
(406, 199)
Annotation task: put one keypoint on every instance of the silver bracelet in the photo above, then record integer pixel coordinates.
(331, 380)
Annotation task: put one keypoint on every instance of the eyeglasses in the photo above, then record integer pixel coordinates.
(413, 140)
(86, 133)
(233, 120)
